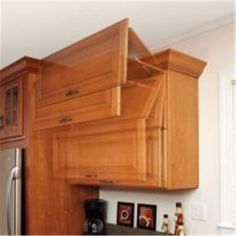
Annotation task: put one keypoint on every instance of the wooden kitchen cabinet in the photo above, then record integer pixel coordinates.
(13, 83)
(135, 118)
(11, 110)
(134, 113)
(83, 82)
(161, 153)
(104, 112)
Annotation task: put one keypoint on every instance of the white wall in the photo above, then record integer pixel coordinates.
(216, 47)
(54, 25)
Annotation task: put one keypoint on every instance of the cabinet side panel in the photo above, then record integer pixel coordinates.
(53, 206)
(182, 121)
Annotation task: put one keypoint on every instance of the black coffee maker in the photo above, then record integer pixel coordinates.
(95, 214)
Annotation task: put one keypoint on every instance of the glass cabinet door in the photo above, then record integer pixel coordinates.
(8, 107)
(1, 111)
(11, 110)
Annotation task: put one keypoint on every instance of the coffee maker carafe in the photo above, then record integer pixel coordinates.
(95, 214)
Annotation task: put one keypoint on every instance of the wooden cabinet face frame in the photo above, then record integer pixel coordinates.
(11, 109)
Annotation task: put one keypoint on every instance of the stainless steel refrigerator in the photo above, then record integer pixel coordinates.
(10, 191)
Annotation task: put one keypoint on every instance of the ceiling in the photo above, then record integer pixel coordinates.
(38, 29)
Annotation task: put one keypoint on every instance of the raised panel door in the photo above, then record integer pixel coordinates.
(93, 64)
(102, 153)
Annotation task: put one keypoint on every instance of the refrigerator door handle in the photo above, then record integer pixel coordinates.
(15, 174)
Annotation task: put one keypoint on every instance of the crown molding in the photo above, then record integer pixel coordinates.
(18, 68)
(171, 59)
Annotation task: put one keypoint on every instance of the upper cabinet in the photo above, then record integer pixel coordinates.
(136, 113)
(84, 81)
(11, 109)
(13, 83)
(152, 144)
(118, 115)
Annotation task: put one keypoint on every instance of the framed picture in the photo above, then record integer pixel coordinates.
(146, 218)
(125, 213)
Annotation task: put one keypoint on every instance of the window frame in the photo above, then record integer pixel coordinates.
(227, 149)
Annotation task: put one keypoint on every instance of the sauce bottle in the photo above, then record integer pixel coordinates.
(179, 217)
(164, 227)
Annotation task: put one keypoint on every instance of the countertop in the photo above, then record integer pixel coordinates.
(112, 229)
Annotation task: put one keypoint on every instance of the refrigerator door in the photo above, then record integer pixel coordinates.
(10, 191)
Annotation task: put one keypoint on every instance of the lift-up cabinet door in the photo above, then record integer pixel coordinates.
(95, 63)
(87, 73)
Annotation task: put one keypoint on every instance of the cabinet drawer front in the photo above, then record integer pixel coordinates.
(90, 65)
(104, 151)
(103, 104)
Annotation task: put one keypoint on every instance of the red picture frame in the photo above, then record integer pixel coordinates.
(125, 213)
(146, 216)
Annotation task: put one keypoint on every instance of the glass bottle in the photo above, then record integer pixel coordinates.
(179, 217)
(164, 227)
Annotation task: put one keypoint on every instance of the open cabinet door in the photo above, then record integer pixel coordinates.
(93, 64)
(85, 82)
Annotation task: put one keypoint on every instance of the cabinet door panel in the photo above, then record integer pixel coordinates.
(96, 63)
(112, 151)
